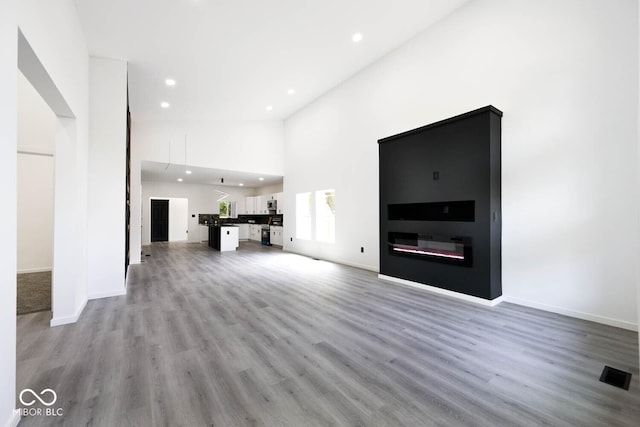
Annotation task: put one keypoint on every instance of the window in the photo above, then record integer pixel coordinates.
(303, 216)
(228, 209)
(325, 216)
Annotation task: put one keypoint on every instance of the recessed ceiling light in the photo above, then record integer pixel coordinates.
(291, 91)
(187, 172)
(241, 184)
(269, 107)
(164, 104)
(170, 82)
(261, 179)
(179, 179)
(357, 37)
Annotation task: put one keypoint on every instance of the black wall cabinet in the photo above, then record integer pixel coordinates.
(440, 217)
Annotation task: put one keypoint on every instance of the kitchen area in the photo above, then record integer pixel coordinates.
(259, 221)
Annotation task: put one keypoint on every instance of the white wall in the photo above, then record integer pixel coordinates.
(36, 122)
(242, 146)
(8, 258)
(54, 34)
(638, 198)
(269, 189)
(565, 74)
(36, 145)
(107, 176)
(202, 200)
(178, 220)
(35, 213)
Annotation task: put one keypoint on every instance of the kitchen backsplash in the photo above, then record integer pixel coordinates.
(206, 219)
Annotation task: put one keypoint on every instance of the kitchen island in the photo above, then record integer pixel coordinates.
(223, 237)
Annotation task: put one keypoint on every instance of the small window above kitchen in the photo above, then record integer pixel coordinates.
(228, 209)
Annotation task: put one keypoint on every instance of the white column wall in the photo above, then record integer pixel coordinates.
(107, 177)
(53, 31)
(565, 74)
(638, 196)
(8, 148)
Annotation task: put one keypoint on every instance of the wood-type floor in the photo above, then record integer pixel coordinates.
(259, 337)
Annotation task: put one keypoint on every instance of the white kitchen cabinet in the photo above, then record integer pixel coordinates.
(279, 197)
(255, 232)
(243, 232)
(229, 238)
(275, 232)
(204, 233)
(250, 205)
(261, 205)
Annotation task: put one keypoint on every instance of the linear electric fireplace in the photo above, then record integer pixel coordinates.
(440, 217)
(446, 249)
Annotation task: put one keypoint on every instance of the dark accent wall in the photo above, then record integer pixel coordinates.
(443, 180)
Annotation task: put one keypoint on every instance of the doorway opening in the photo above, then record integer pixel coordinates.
(168, 219)
(35, 199)
(159, 220)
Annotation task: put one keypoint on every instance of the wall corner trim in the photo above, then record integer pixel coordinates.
(440, 291)
(35, 270)
(59, 321)
(328, 259)
(109, 294)
(573, 313)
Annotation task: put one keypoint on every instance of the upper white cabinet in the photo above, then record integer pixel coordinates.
(279, 197)
(261, 205)
(250, 205)
(257, 205)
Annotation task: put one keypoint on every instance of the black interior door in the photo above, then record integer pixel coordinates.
(159, 220)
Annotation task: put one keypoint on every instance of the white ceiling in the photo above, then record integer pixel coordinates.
(232, 58)
(164, 172)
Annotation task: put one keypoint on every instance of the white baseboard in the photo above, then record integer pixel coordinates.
(350, 264)
(573, 313)
(14, 419)
(440, 291)
(34, 270)
(109, 294)
(59, 321)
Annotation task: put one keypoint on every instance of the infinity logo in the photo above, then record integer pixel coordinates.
(36, 396)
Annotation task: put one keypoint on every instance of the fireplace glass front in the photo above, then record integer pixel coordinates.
(446, 249)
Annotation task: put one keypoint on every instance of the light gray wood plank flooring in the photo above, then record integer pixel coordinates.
(259, 337)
